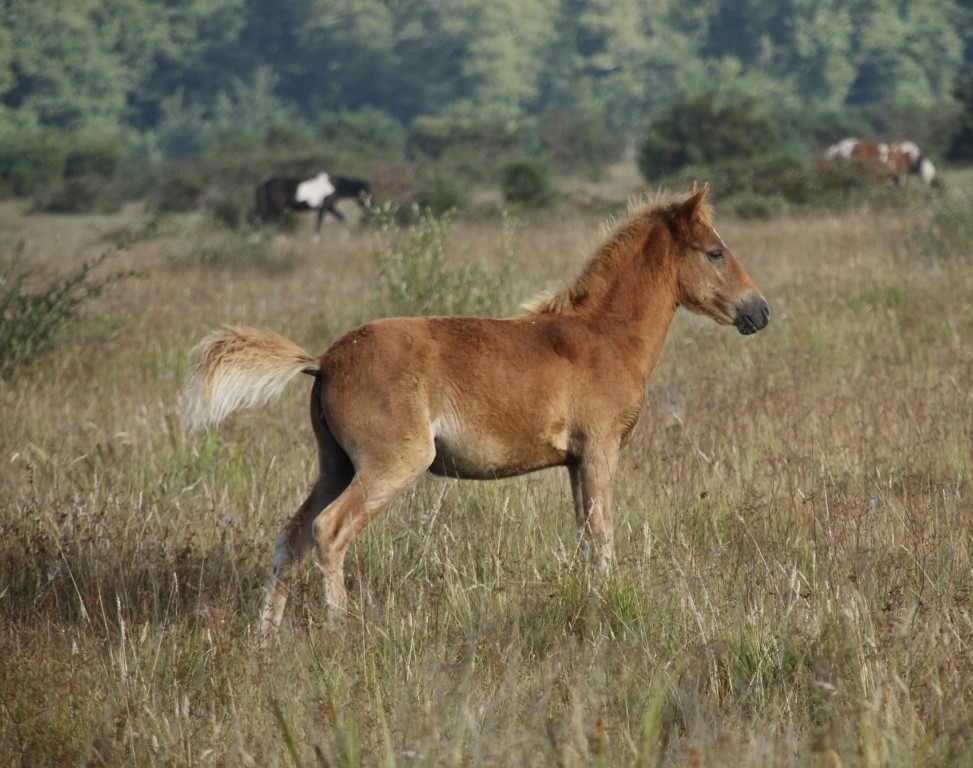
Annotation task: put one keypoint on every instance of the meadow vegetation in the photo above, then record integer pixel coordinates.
(794, 514)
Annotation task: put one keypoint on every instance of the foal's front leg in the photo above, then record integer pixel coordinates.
(591, 489)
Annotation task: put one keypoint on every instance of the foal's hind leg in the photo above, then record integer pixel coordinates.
(291, 547)
(295, 539)
(373, 489)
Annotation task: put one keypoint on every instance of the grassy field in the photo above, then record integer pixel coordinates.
(794, 522)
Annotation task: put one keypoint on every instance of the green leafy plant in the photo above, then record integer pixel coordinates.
(526, 182)
(942, 231)
(415, 278)
(33, 321)
(704, 128)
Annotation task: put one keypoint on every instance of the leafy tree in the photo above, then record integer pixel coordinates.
(614, 60)
(805, 43)
(366, 133)
(196, 50)
(58, 70)
(328, 54)
(253, 106)
(961, 148)
(508, 41)
(905, 52)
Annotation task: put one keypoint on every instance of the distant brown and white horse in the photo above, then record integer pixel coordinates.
(319, 193)
(482, 398)
(897, 159)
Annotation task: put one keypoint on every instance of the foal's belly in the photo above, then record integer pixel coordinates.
(485, 455)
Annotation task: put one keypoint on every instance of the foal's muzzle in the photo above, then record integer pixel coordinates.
(753, 314)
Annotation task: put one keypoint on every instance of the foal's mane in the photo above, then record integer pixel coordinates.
(622, 239)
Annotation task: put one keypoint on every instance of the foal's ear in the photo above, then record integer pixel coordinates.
(690, 208)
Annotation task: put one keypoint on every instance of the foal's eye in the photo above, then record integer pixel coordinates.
(715, 255)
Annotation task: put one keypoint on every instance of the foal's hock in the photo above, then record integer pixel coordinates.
(481, 398)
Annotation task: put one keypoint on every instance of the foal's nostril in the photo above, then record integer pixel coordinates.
(753, 315)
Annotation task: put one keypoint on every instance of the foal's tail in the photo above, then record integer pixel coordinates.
(237, 368)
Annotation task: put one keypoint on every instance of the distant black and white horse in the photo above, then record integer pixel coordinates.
(320, 193)
(897, 159)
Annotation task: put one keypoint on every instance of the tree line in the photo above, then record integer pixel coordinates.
(168, 79)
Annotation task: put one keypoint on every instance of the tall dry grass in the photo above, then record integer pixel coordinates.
(794, 527)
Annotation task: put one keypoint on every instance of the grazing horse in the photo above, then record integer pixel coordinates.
(480, 398)
(320, 193)
(897, 159)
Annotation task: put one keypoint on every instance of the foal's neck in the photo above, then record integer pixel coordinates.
(639, 304)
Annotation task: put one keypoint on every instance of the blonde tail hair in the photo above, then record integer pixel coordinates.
(237, 368)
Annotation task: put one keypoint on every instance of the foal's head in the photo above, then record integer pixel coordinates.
(711, 281)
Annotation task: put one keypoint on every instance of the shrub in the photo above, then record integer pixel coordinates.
(177, 187)
(526, 182)
(364, 135)
(944, 231)
(100, 156)
(30, 160)
(33, 321)
(233, 210)
(234, 140)
(751, 205)
(437, 137)
(81, 194)
(439, 196)
(702, 129)
(931, 127)
(578, 142)
(216, 247)
(288, 137)
(414, 278)
(187, 186)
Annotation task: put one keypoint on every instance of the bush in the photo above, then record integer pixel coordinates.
(100, 157)
(233, 210)
(440, 138)
(34, 321)
(703, 129)
(31, 161)
(943, 231)
(751, 205)
(526, 182)
(413, 277)
(214, 177)
(932, 128)
(82, 194)
(288, 137)
(439, 196)
(366, 135)
(216, 248)
(578, 142)
(177, 187)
